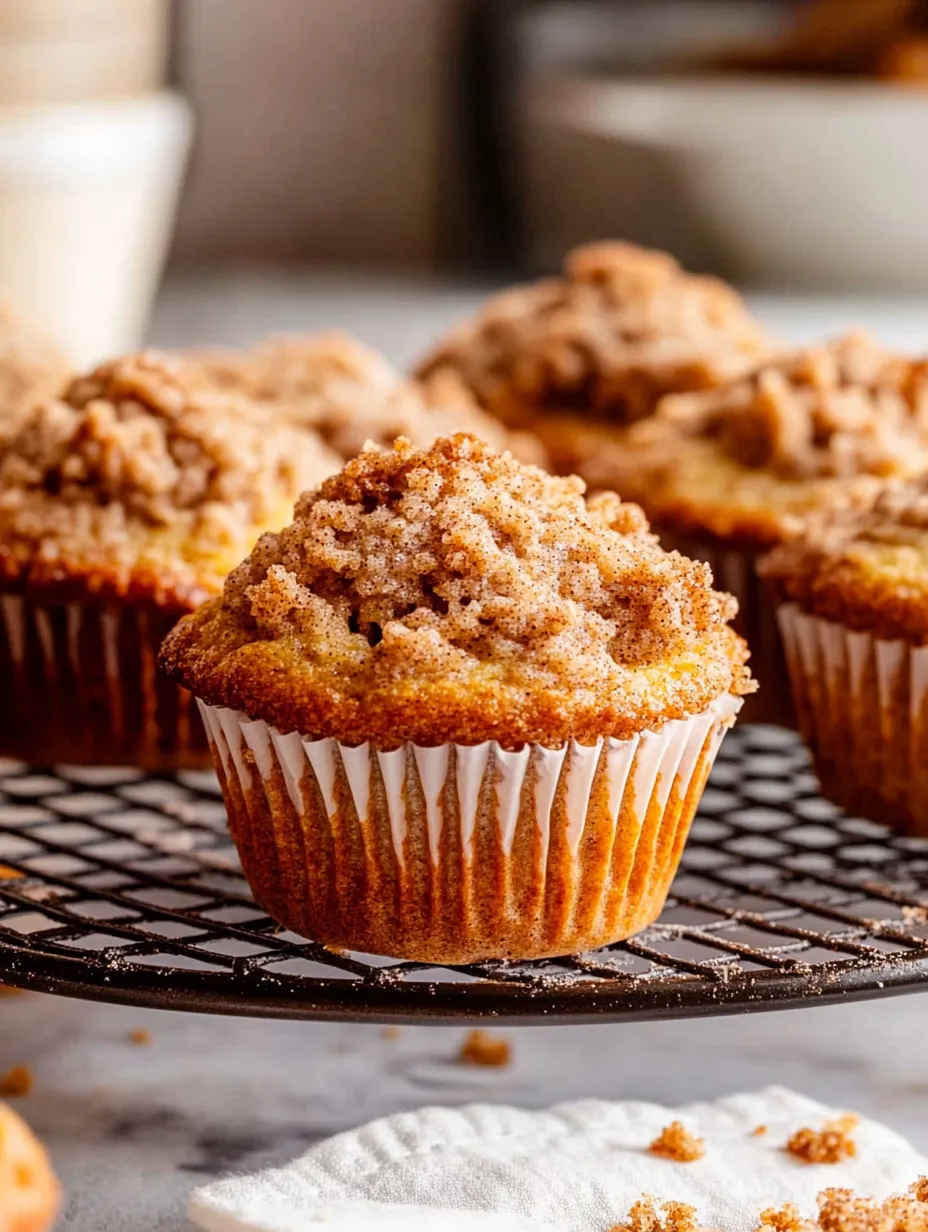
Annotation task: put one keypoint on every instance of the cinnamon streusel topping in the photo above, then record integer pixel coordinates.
(31, 366)
(621, 327)
(847, 408)
(453, 594)
(350, 394)
(136, 464)
(866, 568)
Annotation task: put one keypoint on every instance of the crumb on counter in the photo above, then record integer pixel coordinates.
(841, 1210)
(831, 1144)
(390, 1033)
(644, 1217)
(758, 1131)
(784, 1219)
(676, 1142)
(483, 1048)
(140, 1036)
(16, 1082)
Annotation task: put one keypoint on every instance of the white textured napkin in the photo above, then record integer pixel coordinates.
(577, 1168)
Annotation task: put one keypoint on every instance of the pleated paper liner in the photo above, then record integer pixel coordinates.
(81, 685)
(861, 703)
(456, 853)
(734, 568)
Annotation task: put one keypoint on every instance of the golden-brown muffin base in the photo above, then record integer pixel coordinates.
(862, 706)
(81, 686)
(400, 866)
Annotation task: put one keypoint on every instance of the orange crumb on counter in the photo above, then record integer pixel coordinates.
(831, 1144)
(140, 1036)
(16, 1082)
(483, 1048)
(390, 1033)
(758, 1131)
(644, 1217)
(677, 1143)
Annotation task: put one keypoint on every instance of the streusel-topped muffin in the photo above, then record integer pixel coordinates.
(123, 505)
(728, 473)
(487, 704)
(852, 597)
(31, 366)
(350, 394)
(622, 327)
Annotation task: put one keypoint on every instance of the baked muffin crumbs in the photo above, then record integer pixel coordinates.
(450, 593)
(676, 1142)
(831, 1144)
(140, 1036)
(17, 1082)
(484, 1048)
(645, 1216)
(622, 326)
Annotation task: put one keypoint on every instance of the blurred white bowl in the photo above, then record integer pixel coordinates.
(87, 200)
(814, 183)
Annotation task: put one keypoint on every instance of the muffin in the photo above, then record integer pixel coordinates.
(622, 327)
(350, 394)
(459, 712)
(31, 367)
(123, 505)
(852, 601)
(726, 474)
(30, 1196)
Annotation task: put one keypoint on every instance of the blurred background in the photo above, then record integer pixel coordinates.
(779, 143)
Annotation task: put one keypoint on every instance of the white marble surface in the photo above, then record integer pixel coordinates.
(134, 1129)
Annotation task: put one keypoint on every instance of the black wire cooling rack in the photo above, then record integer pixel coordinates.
(123, 887)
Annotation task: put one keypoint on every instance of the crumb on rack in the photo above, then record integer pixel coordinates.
(10, 874)
(758, 1131)
(390, 1033)
(831, 1144)
(913, 914)
(16, 1082)
(140, 1036)
(483, 1048)
(644, 1217)
(677, 1143)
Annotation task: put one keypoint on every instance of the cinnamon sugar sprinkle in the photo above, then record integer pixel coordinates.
(483, 1048)
(676, 1142)
(831, 1144)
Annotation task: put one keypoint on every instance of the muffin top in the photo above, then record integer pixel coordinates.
(31, 366)
(452, 594)
(621, 327)
(865, 568)
(137, 481)
(350, 395)
(819, 428)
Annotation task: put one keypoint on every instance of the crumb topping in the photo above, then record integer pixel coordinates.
(646, 1216)
(847, 408)
(31, 365)
(350, 394)
(831, 1144)
(866, 567)
(676, 1142)
(134, 452)
(455, 572)
(622, 326)
(484, 1048)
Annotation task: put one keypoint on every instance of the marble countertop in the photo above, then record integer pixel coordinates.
(133, 1129)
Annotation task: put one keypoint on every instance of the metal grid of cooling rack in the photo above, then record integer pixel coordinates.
(124, 887)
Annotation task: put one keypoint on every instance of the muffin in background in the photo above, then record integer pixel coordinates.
(852, 601)
(604, 342)
(726, 474)
(460, 712)
(30, 1196)
(123, 505)
(350, 394)
(31, 367)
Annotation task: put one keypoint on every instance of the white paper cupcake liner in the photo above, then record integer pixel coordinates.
(861, 703)
(459, 852)
(83, 686)
(734, 570)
